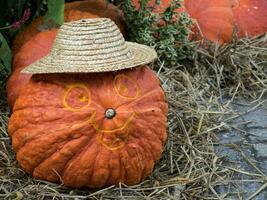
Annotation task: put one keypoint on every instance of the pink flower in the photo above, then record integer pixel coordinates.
(16, 25)
(26, 15)
(24, 18)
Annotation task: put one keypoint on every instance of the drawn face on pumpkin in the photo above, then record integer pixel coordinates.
(111, 125)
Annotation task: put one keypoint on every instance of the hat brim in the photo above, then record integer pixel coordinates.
(140, 55)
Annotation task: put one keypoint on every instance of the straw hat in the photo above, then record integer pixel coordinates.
(91, 45)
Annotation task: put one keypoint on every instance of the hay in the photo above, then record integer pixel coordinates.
(200, 91)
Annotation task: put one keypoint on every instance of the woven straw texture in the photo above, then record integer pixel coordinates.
(91, 45)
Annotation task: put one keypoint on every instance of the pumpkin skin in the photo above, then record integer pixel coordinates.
(40, 45)
(250, 17)
(216, 20)
(212, 19)
(73, 11)
(59, 127)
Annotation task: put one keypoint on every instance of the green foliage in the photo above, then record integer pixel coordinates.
(15, 14)
(11, 10)
(5, 54)
(167, 32)
(5, 60)
(55, 11)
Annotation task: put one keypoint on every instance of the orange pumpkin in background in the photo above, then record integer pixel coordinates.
(73, 11)
(92, 130)
(216, 20)
(211, 19)
(36, 48)
(250, 17)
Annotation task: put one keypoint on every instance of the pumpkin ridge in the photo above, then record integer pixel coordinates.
(67, 131)
(110, 171)
(140, 161)
(122, 168)
(138, 166)
(76, 159)
(39, 106)
(123, 164)
(149, 147)
(113, 157)
(13, 132)
(130, 172)
(58, 151)
(142, 122)
(33, 166)
(36, 137)
(101, 163)
(86, 147)
(36, 126)
(144, 144)
(83, 113)
(152, 143)
(99, 147)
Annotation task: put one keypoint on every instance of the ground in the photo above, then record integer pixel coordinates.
(245, 146)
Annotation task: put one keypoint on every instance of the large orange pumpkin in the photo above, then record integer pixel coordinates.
(90, 130)
(36, 48)
(73, 11)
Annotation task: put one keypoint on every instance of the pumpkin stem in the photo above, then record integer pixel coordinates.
(110, 113)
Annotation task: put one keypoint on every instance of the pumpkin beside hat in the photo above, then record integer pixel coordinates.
(90, 129)
(73, 11)
(40, 44)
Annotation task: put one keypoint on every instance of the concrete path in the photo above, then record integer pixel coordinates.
(244, 147)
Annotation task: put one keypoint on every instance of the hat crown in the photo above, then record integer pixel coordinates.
(96, 40)
(91, 45)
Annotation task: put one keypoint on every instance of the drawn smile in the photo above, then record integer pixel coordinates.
(112, 127)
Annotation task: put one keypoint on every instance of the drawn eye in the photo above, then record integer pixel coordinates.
(77, 97)
(126, 87)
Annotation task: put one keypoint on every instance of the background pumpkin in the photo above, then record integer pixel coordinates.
(40, 44)
(73, 11)
(60, 127)
(250, 17)
(211, 19)
(216, 20)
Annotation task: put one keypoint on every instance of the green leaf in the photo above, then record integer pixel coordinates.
(5, 54)
(20, 5)
(55, 11)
